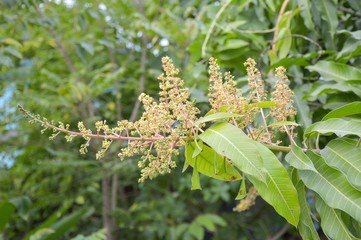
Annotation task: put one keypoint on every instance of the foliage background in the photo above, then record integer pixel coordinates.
(89, 60)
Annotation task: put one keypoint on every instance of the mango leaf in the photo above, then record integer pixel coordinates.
(233, 44)
(233, 143)
(328, 12)
(303, 111)
(209, 221)
(305, 226)
(282, 123)
(265, 104)
(6, 209)
(331, 221)
(347, 110)
(329, 183)
(217, 116)
(87, 47)
(199, 148)
(242, 193)
(196, 183)
(196, 230)
(334, 125)
(305, 6)
(211, 164)
(336, 71)
(64, 224)
(278, 189)
(344, 156)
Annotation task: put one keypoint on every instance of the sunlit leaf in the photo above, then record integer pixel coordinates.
(336, 71)
(334, 125)
(217, 116)
(347, 110)
(233, 143)
(211, 164)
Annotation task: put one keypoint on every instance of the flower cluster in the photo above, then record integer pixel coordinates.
(224, 96)
(247, 202)
(282, 96)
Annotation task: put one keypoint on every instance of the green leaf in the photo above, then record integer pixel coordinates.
(334, 125)
(328, 12)
(336, 71)
(344, 156)
(265, 104)
(196, 184)
(278, 189)
(199, 148)
(233, 44)
(242, 193)
(196, 230)
(22, 205)
(14, 52)
(64, 224)
(6, 209)
(347, 110)
(88, 47)
(282, 123)
(305, 6)
(211, 164)
(331, 221)
(303, 111)
(233, 143)
(216, 117)
(329, 183)
(298, 159)
(305, 226)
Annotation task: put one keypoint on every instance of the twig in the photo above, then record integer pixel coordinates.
(280, 232)
(213, 24)
(275, 35)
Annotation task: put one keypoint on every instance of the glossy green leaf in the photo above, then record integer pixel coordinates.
(329, 183)
(334, 125)
(331, 222)
(216, 117)
(278, 189)
(233, 143)
(305, 226)
(211, 164)
(6, 211)
(344, 156)
(347, 110)
(336, 71)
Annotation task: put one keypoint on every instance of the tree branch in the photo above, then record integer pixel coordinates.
(275, 35)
